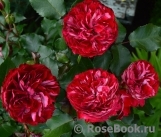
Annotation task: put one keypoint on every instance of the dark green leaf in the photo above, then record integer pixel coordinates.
(5, 50)
(146, 37)
(70, 3)
(5, 67)
(121, 59)
(66, 135)
(60, 44)
(1, 60)
(18, 17)
(2, 37)
(116, 122)
(6, 130)
(7, 6)
(50, 8)
(47, 24)
(87, 129)
(136, 134)
(103, 61)
(155, 101)
(31, 42)
(18, 59)
(122, 32)
(59, 125)
(19, 6)
(44, 51)
(51, 64)
(83, 65)
(128, 119)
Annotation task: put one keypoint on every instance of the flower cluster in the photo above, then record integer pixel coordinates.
(29, 92)
(96, 94)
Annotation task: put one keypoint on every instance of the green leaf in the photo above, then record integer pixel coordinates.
(6, 130)
(83, 65)
(70, 3)
(87, 129)
(31, 42)
(2, 36)
(61, 57)
(60, 44)
(121, 59)
(128, 119)
(18, 59)
(5, 50)
(1, 60)
(103, 61)
(121, 33)
(47, 24)
(66, 135)
(136, 134)
(155, 101)
(7, 6)
(18, 17)
(50, 9)
(59, 125)
(142, 54)
(52, 30)
(5, 67)
(51, 64)
(155, 61)
(44, 51)
(116, 122)
(19, 6)
(146, 37)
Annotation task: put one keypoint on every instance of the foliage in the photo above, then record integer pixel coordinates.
(32, 33)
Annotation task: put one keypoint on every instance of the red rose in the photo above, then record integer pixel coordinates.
(141, 80)
(93, 95)
(127, 102)
(90, 28)
(28, 93)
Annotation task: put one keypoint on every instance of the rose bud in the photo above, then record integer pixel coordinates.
(90, 28)
(141, 80)
(28, 93)
(1, 5)
(93, 95)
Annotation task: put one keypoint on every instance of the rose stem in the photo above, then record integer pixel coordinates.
(26, 130)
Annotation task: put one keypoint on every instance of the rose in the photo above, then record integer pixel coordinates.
(93, 95)
(127, 102)
(28, 93)
(141, 80)
(90, 28)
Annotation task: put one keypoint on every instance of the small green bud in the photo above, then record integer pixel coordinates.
(30, 62)
(10, 19)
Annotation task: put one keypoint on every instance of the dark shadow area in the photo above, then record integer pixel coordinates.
(142, 16)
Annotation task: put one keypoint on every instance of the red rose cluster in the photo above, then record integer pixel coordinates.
(96, 95)
(28, 93)
(90, 28)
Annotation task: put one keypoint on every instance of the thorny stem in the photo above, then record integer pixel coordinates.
(27, 131)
